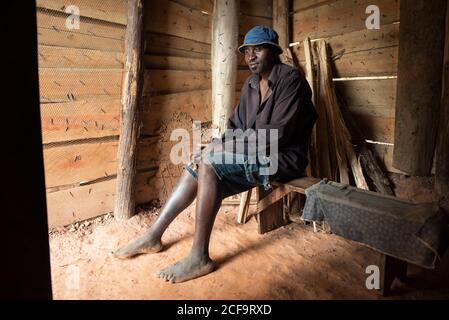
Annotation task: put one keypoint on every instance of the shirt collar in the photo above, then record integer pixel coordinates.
(272, 79)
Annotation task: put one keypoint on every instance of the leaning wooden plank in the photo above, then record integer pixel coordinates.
(421, 44)
(309, 67)
(310, 76)
(339, 17)
(373, 170)
(76, 120)
(130, 119)
(79, 162)
(245, 199)
(57, 85)
(107, 10)
(62, 57)
(342, 139)
(442, 150)
(47, 19)
(169, 17)
(325, 151)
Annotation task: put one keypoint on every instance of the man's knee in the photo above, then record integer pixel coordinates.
(206, 168)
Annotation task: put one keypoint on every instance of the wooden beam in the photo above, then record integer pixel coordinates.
(131, 94)
(421, 51)
(344, 152)
(312, 165)
(244, 206)
(225, 27)
(281, 25)
(373, 170)
(442, 150)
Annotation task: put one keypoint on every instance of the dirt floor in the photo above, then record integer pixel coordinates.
(292, 262)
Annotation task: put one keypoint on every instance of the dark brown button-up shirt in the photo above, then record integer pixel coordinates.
(286, 107)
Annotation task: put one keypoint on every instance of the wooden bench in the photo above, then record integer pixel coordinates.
(271, 214)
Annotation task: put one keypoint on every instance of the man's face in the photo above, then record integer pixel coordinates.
(260, 59)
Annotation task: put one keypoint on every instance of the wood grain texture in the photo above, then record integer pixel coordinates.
(67, 58)
(169, 17)
(69, 164)
(60, 85)
(442, 150)
(129, 120)
(107, 10)
(77, 120)
(224, 61)
(338, 17)
(176, 63)
(421, 45)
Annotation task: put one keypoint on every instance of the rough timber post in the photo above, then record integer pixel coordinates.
(129, 126)
(280, 23)
(421, 51)
(442, 151)
(225, 27)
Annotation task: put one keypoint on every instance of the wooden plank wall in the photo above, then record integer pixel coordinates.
(80, 73)
(80, 87)
(177, 85)
(362, 53)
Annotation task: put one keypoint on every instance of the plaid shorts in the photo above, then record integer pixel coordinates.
(239, 175)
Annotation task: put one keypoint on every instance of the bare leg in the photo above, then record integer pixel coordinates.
(150, 242)
(198, 262)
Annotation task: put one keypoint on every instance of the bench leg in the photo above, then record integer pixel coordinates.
(272, 216)
(391, 268)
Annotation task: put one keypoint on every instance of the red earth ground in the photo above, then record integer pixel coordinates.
(292, 262)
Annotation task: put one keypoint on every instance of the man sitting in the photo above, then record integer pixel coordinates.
(275, 98)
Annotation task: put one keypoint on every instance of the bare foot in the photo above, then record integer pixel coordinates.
(189, 268)
(140, 246)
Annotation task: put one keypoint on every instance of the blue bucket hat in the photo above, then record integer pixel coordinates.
(261, 35)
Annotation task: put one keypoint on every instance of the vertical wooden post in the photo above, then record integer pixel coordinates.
(225, 28)
(129, 125)
(442, 151)
(313, 167)
(421, 51)
(280, 24)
